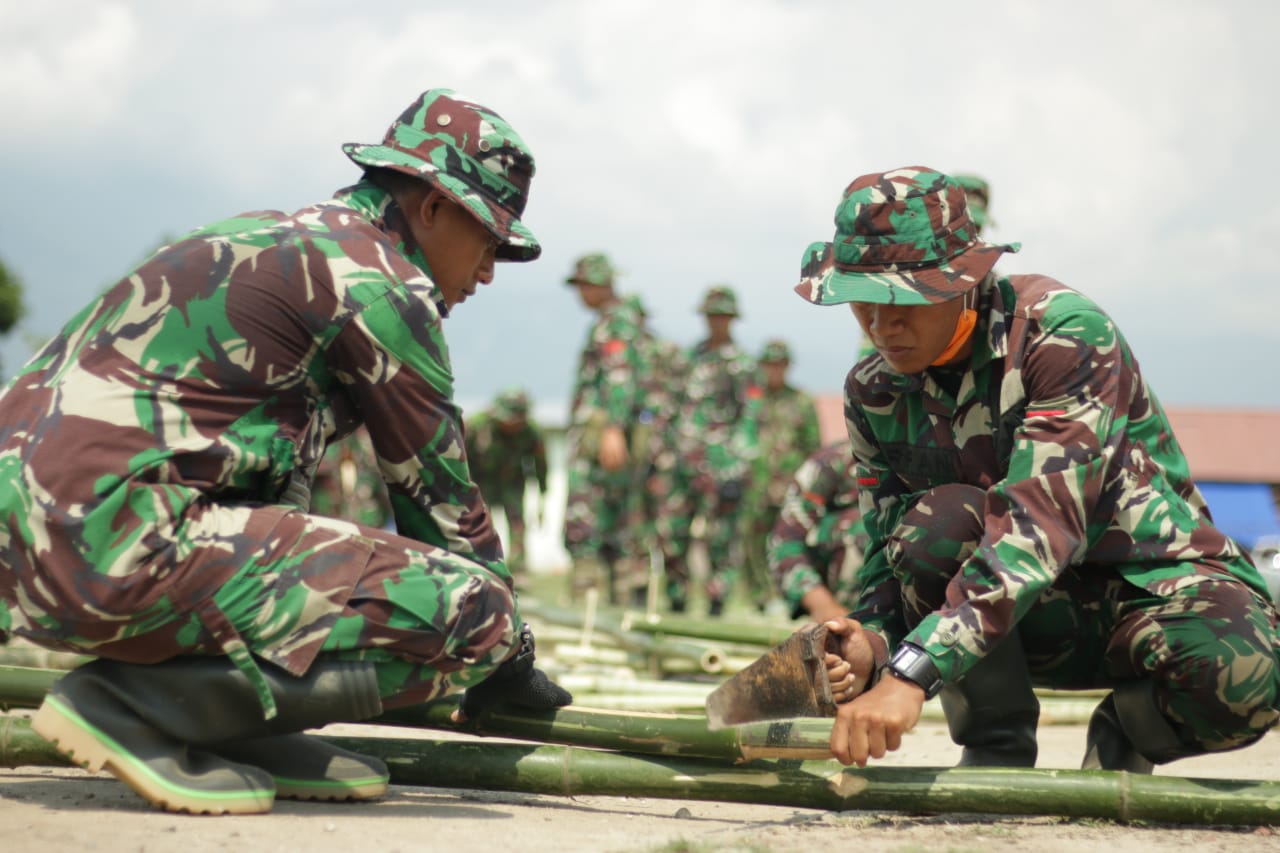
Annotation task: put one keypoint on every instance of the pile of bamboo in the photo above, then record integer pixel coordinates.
(576, 751)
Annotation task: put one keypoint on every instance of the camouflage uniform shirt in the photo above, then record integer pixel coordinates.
(1052, 418)
(216, 374)
(819, 517)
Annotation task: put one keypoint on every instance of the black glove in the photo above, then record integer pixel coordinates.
(517, 683)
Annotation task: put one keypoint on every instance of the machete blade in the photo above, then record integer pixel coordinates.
(786, 682)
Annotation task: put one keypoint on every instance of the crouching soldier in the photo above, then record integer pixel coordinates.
(155, 463)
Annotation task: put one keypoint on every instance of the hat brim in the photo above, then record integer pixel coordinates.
(517, 241)
(823, 283)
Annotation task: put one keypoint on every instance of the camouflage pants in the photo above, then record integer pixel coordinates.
(510, 499)
(432, 622)
(721, 513)
(757, 524)
(598, 531)
(1210, 649)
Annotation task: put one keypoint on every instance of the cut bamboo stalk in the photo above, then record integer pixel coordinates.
(650, 733)
(573, 771)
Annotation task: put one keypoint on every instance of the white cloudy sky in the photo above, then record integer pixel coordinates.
(1128, 144)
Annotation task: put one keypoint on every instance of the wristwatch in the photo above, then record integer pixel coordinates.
(910, 663)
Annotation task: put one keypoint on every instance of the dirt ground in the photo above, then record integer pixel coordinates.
(56, 809)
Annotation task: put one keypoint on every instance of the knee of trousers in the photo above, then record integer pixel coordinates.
(481, 626)
(1217, 711)
(939, 532)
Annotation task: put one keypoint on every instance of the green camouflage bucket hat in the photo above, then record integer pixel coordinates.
(512, 404)
(902, 238)
(592, 269)
(469, 153)
(775, 351)
(720, 300)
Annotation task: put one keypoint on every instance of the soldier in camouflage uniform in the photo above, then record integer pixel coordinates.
(1031, 517)
(157, 456)
(506, 451)
(607, 397)
(786, 433)
(816, 546)
(714, 441)
(348, 484)
(662, 372)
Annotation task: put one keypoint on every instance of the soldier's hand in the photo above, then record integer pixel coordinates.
(850, 659)
(874, 723)
(613, 448)
(516, 682)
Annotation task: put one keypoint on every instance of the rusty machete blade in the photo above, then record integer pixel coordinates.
(788, 681)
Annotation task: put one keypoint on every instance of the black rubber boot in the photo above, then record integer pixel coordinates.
(304, 767)
(992, 711)
(1128, 732)
(157, 727)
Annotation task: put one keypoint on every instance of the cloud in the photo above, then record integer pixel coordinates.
(695, 142)
(66, 74)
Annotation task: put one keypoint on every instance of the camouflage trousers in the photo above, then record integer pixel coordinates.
(1211, 649)
(721, 514)
(510, 499)
(598, 529)
(433, 622)
(757, 523)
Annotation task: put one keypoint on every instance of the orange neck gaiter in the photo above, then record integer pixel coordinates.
(964, 328)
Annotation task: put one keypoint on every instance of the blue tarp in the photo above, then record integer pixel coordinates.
(1244, 511)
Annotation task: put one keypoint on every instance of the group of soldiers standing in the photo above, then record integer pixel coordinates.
(665, 441)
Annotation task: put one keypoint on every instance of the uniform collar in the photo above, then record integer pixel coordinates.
(380, 208)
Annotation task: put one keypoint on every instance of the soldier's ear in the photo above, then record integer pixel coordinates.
(428, 205)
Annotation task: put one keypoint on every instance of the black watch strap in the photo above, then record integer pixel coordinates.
(912, 663)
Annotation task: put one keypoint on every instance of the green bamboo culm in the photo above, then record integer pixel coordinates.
(25, 686)
(571, 771)
(748, 633)
(22, 747)
(645, 733)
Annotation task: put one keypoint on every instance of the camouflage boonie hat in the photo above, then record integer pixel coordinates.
(903, 237)
(512, 404)
(978, 193)
(592, 269)
(469, 153)
(720, 300)
(775, 350)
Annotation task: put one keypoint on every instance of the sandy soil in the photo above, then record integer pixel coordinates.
(56, 809)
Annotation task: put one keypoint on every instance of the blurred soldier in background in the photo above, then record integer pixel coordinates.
(714, 440)
(349, 485)
(606, 400)
(786, 432)
(664, 368)
(817, 543)
(506, 450)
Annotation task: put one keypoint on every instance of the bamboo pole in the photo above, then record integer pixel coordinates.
(573, 771)
(661, 654)
(25, 686)
(717, 630)
(650, 733)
